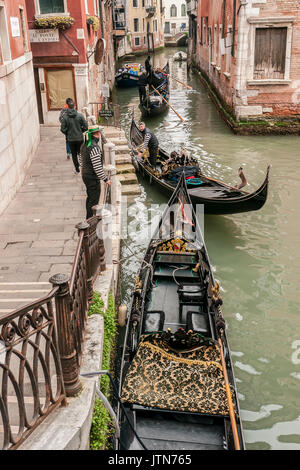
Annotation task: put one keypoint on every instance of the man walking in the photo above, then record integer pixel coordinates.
(150, 141)
(92, 168)
(61, 115)
(142, 83)
(73, 125)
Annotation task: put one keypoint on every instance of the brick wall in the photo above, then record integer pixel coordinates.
(230, 69)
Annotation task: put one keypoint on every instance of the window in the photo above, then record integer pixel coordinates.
(143, 24)
(136, 25)
(270, 50)
(154, 25)
(51, 6)
(60, 86)
(4, 38)
(136, 41)
(167, 27)
(135, 3)
(183, 9)
(173, 10)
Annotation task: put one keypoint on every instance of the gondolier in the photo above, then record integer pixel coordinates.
(150, 141)
(148, 65)
(142, 83)
(92, 168)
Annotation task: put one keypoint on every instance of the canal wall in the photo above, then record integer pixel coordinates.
(251, 126)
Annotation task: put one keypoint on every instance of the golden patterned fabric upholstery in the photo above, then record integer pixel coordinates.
(161, 377)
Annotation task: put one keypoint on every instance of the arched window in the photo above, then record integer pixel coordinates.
(183, 9)
(173, 10)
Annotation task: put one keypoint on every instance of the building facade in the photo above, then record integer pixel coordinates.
(73, 54)
(249, 51)
(144, 21)
(176, 18)
(19, 124)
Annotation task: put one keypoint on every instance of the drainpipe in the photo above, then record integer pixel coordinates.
(101, 18)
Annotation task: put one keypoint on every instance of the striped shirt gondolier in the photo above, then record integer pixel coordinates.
(150, 140)
(92, 161)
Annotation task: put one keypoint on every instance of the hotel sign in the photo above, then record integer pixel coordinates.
(44, 35)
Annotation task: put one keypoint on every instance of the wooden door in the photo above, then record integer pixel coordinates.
(270, 53)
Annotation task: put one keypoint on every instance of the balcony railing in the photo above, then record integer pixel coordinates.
(191, 7)
(150, 11)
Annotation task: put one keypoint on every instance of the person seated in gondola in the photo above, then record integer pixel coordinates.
(150, 142)
(142, 83)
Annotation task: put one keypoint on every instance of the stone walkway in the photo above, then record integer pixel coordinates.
(38, 237)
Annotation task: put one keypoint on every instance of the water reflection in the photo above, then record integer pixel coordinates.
(255, 255)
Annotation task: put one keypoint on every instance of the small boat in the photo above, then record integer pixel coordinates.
(217, 197)
(127, 76)
(177, 388)
(180, 56)
(155, 103)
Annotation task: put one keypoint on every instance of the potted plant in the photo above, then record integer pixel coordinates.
(54, 22)
(94, 22)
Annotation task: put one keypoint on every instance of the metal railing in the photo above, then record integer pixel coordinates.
(41, 344)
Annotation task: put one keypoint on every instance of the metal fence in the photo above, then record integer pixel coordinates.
(41, 344)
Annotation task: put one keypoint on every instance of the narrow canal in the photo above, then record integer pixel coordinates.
(255, 255)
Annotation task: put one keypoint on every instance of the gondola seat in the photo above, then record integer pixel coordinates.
(197, 322)
(153, 321)
(191, 294)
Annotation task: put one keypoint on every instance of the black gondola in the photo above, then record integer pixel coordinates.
(155, 103)
(217, 197)
(176, 359)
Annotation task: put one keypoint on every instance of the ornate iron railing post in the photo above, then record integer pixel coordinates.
(84, 226)
(101, 248)
(65, 335)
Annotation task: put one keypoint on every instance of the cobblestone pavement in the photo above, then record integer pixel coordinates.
(38, 237)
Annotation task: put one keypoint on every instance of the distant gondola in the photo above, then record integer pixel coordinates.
(127, 76)
(154, 104)
(217, 197)
(177, 384)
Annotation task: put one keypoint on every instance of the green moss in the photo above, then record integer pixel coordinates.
(102, 428)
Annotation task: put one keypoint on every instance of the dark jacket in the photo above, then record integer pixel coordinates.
(150, 140)
(92, 160)
(73, 125)
(143, 80)
(147, 65)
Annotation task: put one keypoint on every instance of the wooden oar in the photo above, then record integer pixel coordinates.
(229, 401)
(176, 79)
(167, 103)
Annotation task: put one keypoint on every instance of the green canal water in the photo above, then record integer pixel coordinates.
(255, 256)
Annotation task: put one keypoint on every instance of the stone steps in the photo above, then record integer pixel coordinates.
(128, 178)
(130, 189)
(122, 149)
(122, 159)
(125, 168)
(16, 294)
